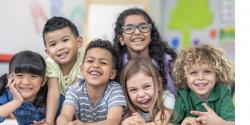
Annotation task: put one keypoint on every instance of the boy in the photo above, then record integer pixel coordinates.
(202, 74)
(97, 99)
(62, 42)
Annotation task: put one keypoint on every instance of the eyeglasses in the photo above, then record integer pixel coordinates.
(130, 28)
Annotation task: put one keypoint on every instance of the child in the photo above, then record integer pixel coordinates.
(142, 85)
(136, 35)
(62, 41)
(201, 73)
(97, 99)
(26, 91)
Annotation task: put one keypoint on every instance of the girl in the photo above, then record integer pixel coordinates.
(136, 35)
(142, 85)
(201, 74)
(23, 90)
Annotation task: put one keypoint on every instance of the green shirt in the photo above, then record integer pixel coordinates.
(54, 70)
(219, 100)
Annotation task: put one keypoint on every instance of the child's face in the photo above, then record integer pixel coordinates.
(62, 46)
(137, 41)
(140, 88)
(97, 67)
(201, 79)
(28, 85)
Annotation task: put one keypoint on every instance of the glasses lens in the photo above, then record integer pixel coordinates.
(144, 27)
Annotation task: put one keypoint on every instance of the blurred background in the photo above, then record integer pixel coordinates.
(182, 23)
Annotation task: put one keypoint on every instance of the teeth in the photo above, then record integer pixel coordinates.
(94, 73)
(201, 84)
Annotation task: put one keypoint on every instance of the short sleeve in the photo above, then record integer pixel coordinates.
(71, 97)
(168, 99)
(116, 97)
(51, 68)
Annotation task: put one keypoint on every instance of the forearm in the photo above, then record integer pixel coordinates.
(105, 122)
(9, 107)
(62, 120)
(223, 122)
(53, 97)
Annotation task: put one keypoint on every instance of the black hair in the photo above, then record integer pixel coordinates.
(27, 62)
(104, 44)
(56, 23)
(157, 46)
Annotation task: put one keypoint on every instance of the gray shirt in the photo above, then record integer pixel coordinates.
(78, 97)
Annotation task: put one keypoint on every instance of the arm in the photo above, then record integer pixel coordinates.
(17, 101)
(66, 115)
(114, 117)
(52, 100)
(135, 119)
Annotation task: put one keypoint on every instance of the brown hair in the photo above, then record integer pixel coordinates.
(139, 65)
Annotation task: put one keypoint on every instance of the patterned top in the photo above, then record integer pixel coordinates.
(54, 70)
(77, 96)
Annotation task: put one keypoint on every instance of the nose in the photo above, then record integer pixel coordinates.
(95, 64)
(60, 47)
(137, 31)
(26, 80)
(200, 76)
(141, 93)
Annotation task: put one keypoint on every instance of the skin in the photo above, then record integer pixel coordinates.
(141, 91)
(97, 70)
(62, 46)
(201, 79)
(140, 88)
(137, 43)
(23, 87)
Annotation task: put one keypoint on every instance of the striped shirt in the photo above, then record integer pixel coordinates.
(78, 97)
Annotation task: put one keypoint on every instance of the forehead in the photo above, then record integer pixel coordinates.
(139, 79)
(59, 33)
(99, 53)
(199, 66)
(134, 19)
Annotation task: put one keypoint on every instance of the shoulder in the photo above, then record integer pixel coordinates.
(221, 89)
(77, 86)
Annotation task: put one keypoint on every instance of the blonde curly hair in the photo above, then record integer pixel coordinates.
(203, 54)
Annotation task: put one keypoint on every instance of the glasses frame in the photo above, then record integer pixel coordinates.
(137, 27)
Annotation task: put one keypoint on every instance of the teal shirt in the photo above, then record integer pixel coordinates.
(219, 100)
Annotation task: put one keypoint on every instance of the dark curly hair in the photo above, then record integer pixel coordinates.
(104, 44)
(157, 47)
(56, 23)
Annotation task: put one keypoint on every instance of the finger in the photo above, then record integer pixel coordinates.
(198, 113)
(135, 114)
(207, 107)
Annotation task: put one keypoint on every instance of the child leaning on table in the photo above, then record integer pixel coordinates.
(201, 74)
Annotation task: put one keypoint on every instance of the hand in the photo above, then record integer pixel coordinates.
(41, 122)
(16, 95)
(209, 117)
(135, 119)
(76, 122)
(189, 121)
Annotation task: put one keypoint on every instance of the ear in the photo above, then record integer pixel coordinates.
(45, 79)
(121, 40)
(46, 51)
(113, 74)
(79, 41)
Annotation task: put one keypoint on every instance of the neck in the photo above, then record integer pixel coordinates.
(143, 54)
(95, 92)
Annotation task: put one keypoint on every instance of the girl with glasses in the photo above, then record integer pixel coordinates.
(137, 36)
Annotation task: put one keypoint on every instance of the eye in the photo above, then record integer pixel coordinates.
(65, 40)
(34, 76)
(104, 62)
(52, 44)
(207, 71)
(147, 86)
(193, 73)
(19, 75)
(132, 90)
